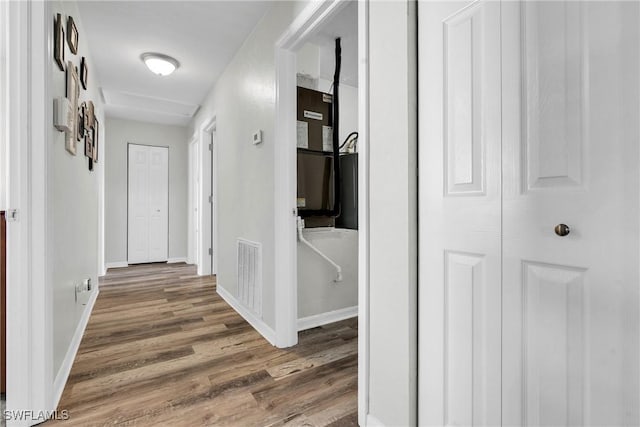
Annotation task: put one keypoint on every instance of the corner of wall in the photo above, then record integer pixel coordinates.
(393, 250)
(244, 101)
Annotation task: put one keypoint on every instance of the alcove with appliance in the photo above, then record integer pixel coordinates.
(327, 165)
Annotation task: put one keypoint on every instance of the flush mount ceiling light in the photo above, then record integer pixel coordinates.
(159, 64)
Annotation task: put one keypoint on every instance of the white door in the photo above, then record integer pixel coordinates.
(148, 202)
(570, 154)
(460, 262)
(518, 325)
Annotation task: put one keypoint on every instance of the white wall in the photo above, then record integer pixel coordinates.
(393, 213)
(317, 291)
(74, 202)
(243, 101)
(4, 173)
(308, 61)
(120, 133)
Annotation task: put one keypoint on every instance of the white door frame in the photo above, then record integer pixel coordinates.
(30, 374)
(286, 292)
(363, 213)
(206, 169)
(192, 241)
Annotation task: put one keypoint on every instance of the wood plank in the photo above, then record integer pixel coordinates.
(162, 348)
(317, 359)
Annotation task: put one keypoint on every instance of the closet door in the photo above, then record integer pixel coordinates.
(460, 192)
(570, 138)
(148, 198)
(529, 213)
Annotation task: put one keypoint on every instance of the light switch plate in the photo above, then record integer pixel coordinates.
(62, 114)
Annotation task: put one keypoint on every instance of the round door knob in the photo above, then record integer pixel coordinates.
(562, 230)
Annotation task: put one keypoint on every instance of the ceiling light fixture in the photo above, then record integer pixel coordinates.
(159, 64)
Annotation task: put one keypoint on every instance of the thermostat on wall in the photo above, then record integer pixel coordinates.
(62, 114)
(257, 137)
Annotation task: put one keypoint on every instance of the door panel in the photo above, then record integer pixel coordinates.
(459, 368)
(158, 203)
(148, 204)
(554, 99)
(138, 201)
(570, 157)
(529, 119)
(553, 308)
(467, 345)
(463, 72)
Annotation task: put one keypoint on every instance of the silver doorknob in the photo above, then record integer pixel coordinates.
(562, 230)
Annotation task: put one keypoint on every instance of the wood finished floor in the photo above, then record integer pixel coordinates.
(162, 348)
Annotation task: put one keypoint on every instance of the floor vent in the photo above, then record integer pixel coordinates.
(250, 275)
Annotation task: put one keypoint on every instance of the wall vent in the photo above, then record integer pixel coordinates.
(250, 275)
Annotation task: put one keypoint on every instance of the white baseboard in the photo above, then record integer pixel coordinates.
(373, 421)
(67, 362)
(326, 318)
(118, 264)
(257, 323)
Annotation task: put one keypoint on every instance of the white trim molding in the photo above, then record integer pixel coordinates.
(192, 248)
(176, 260)
(27, 36)
(257, 323)
(363, 215)
(206, 133)
(72, 351)
(389, 315)
(286, 294)
(117, 264)
(373, 422)
(321, 319)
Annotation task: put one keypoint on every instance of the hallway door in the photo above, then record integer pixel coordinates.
(148, 204)
(529, 213)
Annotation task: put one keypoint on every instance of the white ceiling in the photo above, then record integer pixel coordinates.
(202, 35)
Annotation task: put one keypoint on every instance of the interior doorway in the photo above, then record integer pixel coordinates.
(327, 167)
(202, 190)
(308, 23)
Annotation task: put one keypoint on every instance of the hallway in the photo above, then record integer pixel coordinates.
(162, 348)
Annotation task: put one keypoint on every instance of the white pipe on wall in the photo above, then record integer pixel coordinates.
(316, 250)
